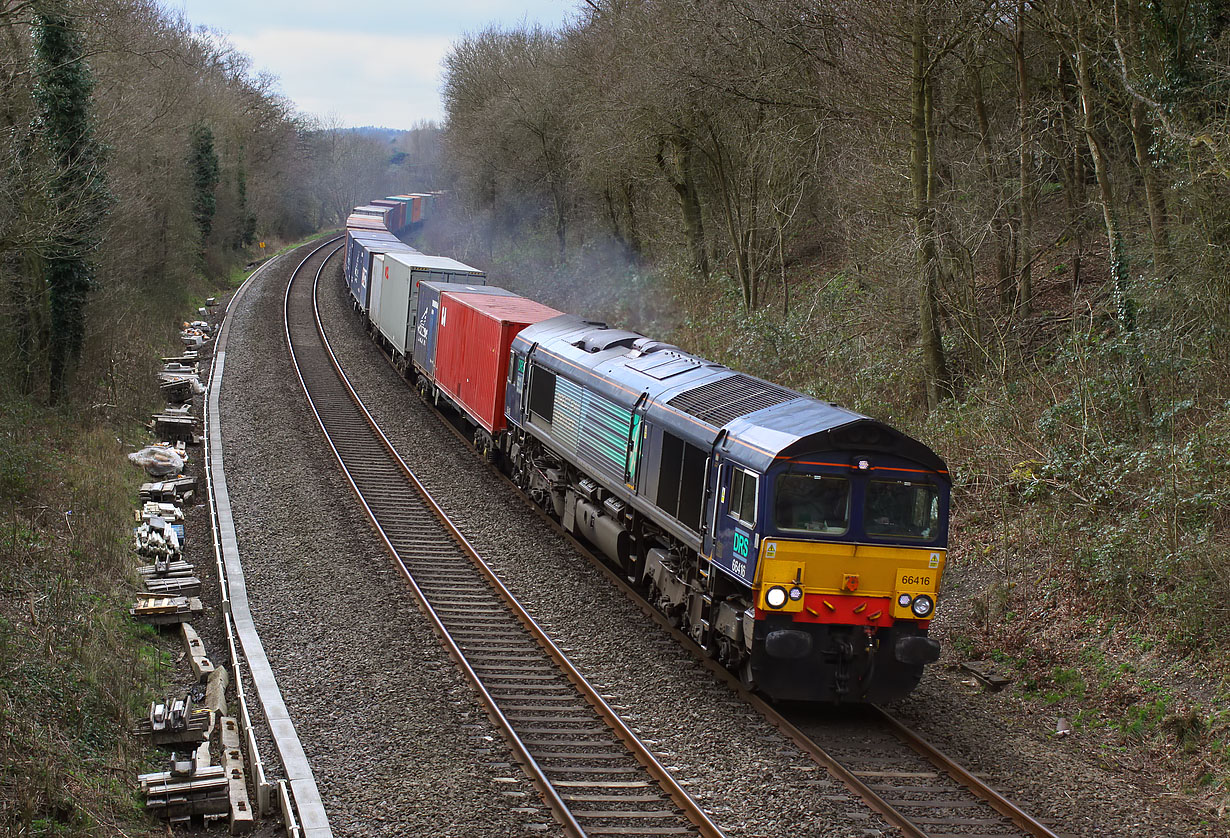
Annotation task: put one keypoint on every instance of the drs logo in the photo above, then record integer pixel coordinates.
(741, 543)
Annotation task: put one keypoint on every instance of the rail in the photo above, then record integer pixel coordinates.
(557, 744)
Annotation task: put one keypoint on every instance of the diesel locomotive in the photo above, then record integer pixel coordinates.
(799, 543)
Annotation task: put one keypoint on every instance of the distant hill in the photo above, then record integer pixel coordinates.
(391, 134)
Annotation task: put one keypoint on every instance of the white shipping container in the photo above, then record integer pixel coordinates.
(399, 277)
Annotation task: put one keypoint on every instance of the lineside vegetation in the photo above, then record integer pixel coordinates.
(1002, 226)
(141, 164)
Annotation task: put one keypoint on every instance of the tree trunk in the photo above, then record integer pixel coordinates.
(998, 224)
(633, 233)
(1142, 140)
(1024, 292)
(561, 223)
(922, 173)
(677, 166)
(1125, 305)
(1072, 169)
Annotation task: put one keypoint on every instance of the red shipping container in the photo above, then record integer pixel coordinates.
(473, 340)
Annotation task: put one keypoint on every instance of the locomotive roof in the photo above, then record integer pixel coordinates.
(696, 399)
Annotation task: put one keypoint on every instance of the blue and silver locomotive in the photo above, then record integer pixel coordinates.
(798, 542)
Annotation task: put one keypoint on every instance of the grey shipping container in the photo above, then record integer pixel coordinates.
(399, 275)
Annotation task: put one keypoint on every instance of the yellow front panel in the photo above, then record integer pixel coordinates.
(784, 573)
(829, 568)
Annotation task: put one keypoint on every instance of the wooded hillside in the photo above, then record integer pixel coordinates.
(141, 163)
(1002, 226)
(151, 157)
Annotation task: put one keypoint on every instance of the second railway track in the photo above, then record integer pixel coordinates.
(591, 770)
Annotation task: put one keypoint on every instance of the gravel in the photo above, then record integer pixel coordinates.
(1074, 782)
(394, 736)
(751, 780)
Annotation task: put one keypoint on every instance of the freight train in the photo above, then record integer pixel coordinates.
(799, 543)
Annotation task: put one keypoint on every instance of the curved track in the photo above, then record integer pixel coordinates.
(303, 795)
(908, 781)
(592, 771)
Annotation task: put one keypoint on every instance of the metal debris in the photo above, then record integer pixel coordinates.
(176, 721)
(988, 673)
(169, 491)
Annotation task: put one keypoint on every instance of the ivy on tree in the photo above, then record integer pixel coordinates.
(78, 190)
(203, 162)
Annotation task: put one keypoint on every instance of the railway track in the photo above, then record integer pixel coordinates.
(909, 782)
(593, 773)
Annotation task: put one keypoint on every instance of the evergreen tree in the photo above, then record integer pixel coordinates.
(204, 164)
(78, 190)
(245, 221)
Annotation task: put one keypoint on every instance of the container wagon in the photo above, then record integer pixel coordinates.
(393, 296)
(361, 248)
(397, 217)
(469, 365)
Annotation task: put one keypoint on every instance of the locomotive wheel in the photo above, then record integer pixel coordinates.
(745, 676)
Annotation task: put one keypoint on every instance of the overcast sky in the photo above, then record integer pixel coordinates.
(368, 62)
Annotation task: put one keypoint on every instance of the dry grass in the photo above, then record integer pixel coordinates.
(75, 671)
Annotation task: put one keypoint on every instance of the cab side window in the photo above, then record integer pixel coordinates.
(743, 496)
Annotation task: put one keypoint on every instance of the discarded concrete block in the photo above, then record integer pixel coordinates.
(168, 570)
(175, 427)
(215, 690)
(205, 791)
(242, 818)
(202, 666)
(179, 489)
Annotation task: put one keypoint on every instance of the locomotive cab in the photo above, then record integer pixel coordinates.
(847, 576)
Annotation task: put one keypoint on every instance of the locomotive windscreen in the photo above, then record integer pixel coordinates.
(902, 509)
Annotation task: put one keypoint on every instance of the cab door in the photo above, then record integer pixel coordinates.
(736, 519)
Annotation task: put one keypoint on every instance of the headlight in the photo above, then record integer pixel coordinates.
(904, 600)
(796, 593)
(775, 597)
(922, 606)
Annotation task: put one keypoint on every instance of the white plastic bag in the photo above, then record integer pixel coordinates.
(158, 461)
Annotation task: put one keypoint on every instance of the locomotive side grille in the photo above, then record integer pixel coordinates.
(604, 436)
(737, 395)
